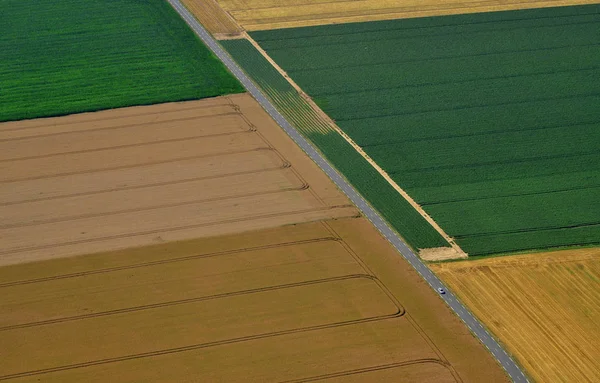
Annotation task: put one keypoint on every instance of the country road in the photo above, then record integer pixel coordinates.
(512, 369)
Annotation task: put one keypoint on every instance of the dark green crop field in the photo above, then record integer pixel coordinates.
(490, 121)
(381, 195)
(66, 56)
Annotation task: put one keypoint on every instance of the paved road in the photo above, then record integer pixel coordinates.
(474, 325)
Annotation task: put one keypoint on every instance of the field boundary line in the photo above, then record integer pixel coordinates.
(269, 144)
(368, 369)
(400, 310)
(300, 187)
(114, 127)
(144, 186)
(150, 163)
(184, 258)
(258, 132)
(460, 253)
(199, 346)
(125, 146)
(176, 228)
(45, 120)
(394, 299)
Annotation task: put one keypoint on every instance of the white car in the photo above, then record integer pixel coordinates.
(441, 291)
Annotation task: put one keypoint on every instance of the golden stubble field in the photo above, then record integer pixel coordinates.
(545, 307)
(255, 15)
(324, 301)
(150, 174)
(212, 16)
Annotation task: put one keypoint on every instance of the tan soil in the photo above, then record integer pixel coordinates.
(328, 300)
(544, 307)
(135, 176)
(212, 16)
(441, 254)
(255, 15)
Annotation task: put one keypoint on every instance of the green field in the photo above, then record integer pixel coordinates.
(395, 209)
(69, 56)
(490, 121)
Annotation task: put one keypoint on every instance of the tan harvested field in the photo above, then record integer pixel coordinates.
(545, 307)
(255, 15)
(324, 301)
(212, 16)
(137, 176)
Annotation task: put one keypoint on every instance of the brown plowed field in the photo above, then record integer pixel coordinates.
(136, 176)
(545, 307)
(324, 301)
(255, 15)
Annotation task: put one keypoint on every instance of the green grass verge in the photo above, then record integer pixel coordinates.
(395, 209)
(69, 56)
(490, 121)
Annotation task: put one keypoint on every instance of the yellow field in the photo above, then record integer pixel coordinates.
(212, 16)
(544, 307)
(328, 300)
(255, 15)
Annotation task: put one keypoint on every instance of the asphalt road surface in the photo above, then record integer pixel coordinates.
(513, 370)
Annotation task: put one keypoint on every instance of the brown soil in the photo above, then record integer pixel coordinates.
(544, 307)
(136, 176)
(274, 14)
(321, 301)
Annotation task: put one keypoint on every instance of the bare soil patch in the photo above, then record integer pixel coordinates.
(441, 254)
(136, 176)
(320, 301)
(544, 307)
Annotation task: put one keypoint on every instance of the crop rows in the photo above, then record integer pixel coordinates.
(543, 307)
(61, 57)
(399, 213)
(489, 121)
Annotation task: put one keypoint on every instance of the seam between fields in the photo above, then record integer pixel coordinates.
(174, 228)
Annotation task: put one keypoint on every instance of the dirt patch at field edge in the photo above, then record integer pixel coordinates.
(441, 254)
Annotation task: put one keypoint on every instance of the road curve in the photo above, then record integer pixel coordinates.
(512, 369)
